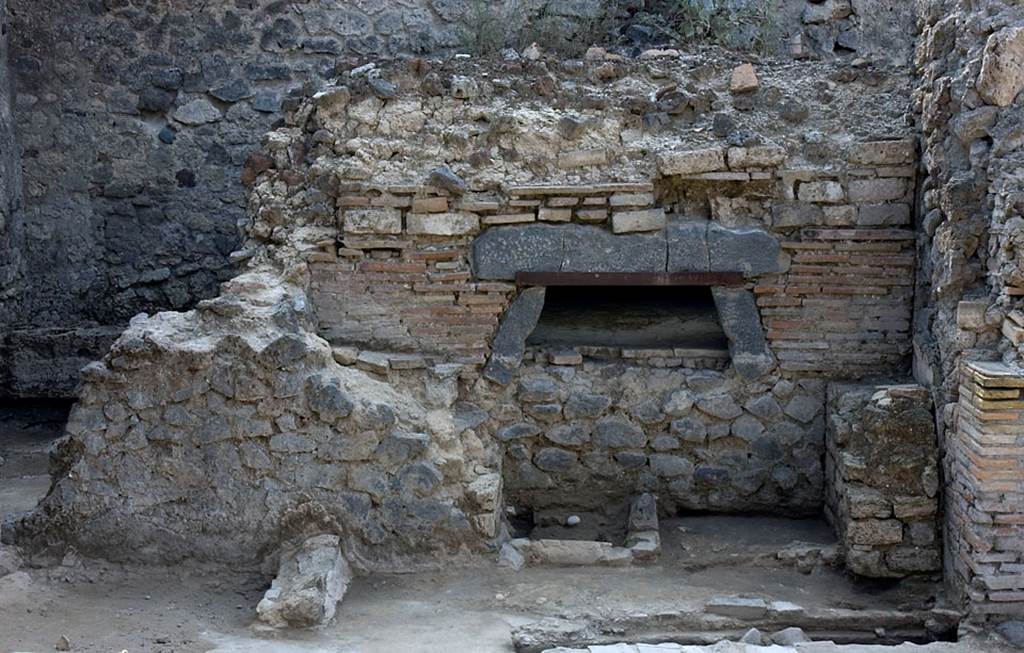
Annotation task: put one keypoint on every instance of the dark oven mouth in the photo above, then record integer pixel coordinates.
(629, 317)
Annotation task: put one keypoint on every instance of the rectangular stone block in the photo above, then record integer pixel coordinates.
(632, 199)
(509, 218)
(624, 222)
(692, 162)
(875, 531)
(546, 214)
(582, 158)
(758, 156)
(442, 224)
(882, 153)
(372, 221)
(822, 192)
(888, 215)
(877, 190)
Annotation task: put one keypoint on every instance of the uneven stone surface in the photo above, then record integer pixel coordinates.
(311, 581)
(882, 479)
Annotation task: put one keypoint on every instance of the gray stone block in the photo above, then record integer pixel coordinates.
(500, 252)
(510, 343)
(741, 323)
(751, 251)
(552, 459)
(518, 431)
(588, 248)
(586, 404)
(570, 435)
(618, 433)
(688, 246)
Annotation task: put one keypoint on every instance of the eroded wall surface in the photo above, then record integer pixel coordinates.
(970, 58)
(135, 116)
(268, 409)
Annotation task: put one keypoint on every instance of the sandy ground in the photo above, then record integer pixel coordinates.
(102, 608)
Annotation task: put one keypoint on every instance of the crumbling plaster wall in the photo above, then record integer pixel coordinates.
(970, 57)
(134, 118)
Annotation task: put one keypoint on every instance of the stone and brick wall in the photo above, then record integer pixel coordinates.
(985, 491)
(882, 478)
(135, 117)
(417, 269)
(969, 287)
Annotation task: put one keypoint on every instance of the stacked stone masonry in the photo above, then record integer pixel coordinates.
(882, 479)
(985, 494)
(134, 120)
(368, 375)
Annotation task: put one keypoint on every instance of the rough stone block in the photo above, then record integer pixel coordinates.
(1002, 68)
(500, 252)
(751, 251)
(510, 342)
(373, 221)
(624, 222)
(877, 190)
(883, 215)
(822, 192)
(756, 156)
(796, 214)
(692, 162)
(311, 580)
(741, 322)
(592, 249)
(882, 153)
(688, 246)
(442, 224)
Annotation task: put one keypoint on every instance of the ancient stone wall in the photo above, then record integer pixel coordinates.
(135, 117)
(400, 442)
(882, 478)
(969, 57)
(10, 179)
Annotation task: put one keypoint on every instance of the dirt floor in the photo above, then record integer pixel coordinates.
(101, 607)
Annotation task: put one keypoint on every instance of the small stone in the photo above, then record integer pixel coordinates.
(744, 79)
(789, 637)
(643, 513)
(345, 355)
(753, 636)
(464, 88)
(533, 52)
(510, 557)
(63, 644)
(679, 403)
(566, 358)
(382, 88)
(443, 178)
(197, 112)
(167, 135)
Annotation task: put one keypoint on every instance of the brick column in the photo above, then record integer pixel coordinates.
(985, 467)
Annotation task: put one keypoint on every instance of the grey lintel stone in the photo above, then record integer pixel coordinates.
(592, 249)
(688, 246)
(500, 252)
(751, 251)
(510, 342)
(741, 323)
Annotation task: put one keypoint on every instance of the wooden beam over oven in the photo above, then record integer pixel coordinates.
(629, 278)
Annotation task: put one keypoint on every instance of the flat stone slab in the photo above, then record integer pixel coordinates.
(737, 607)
